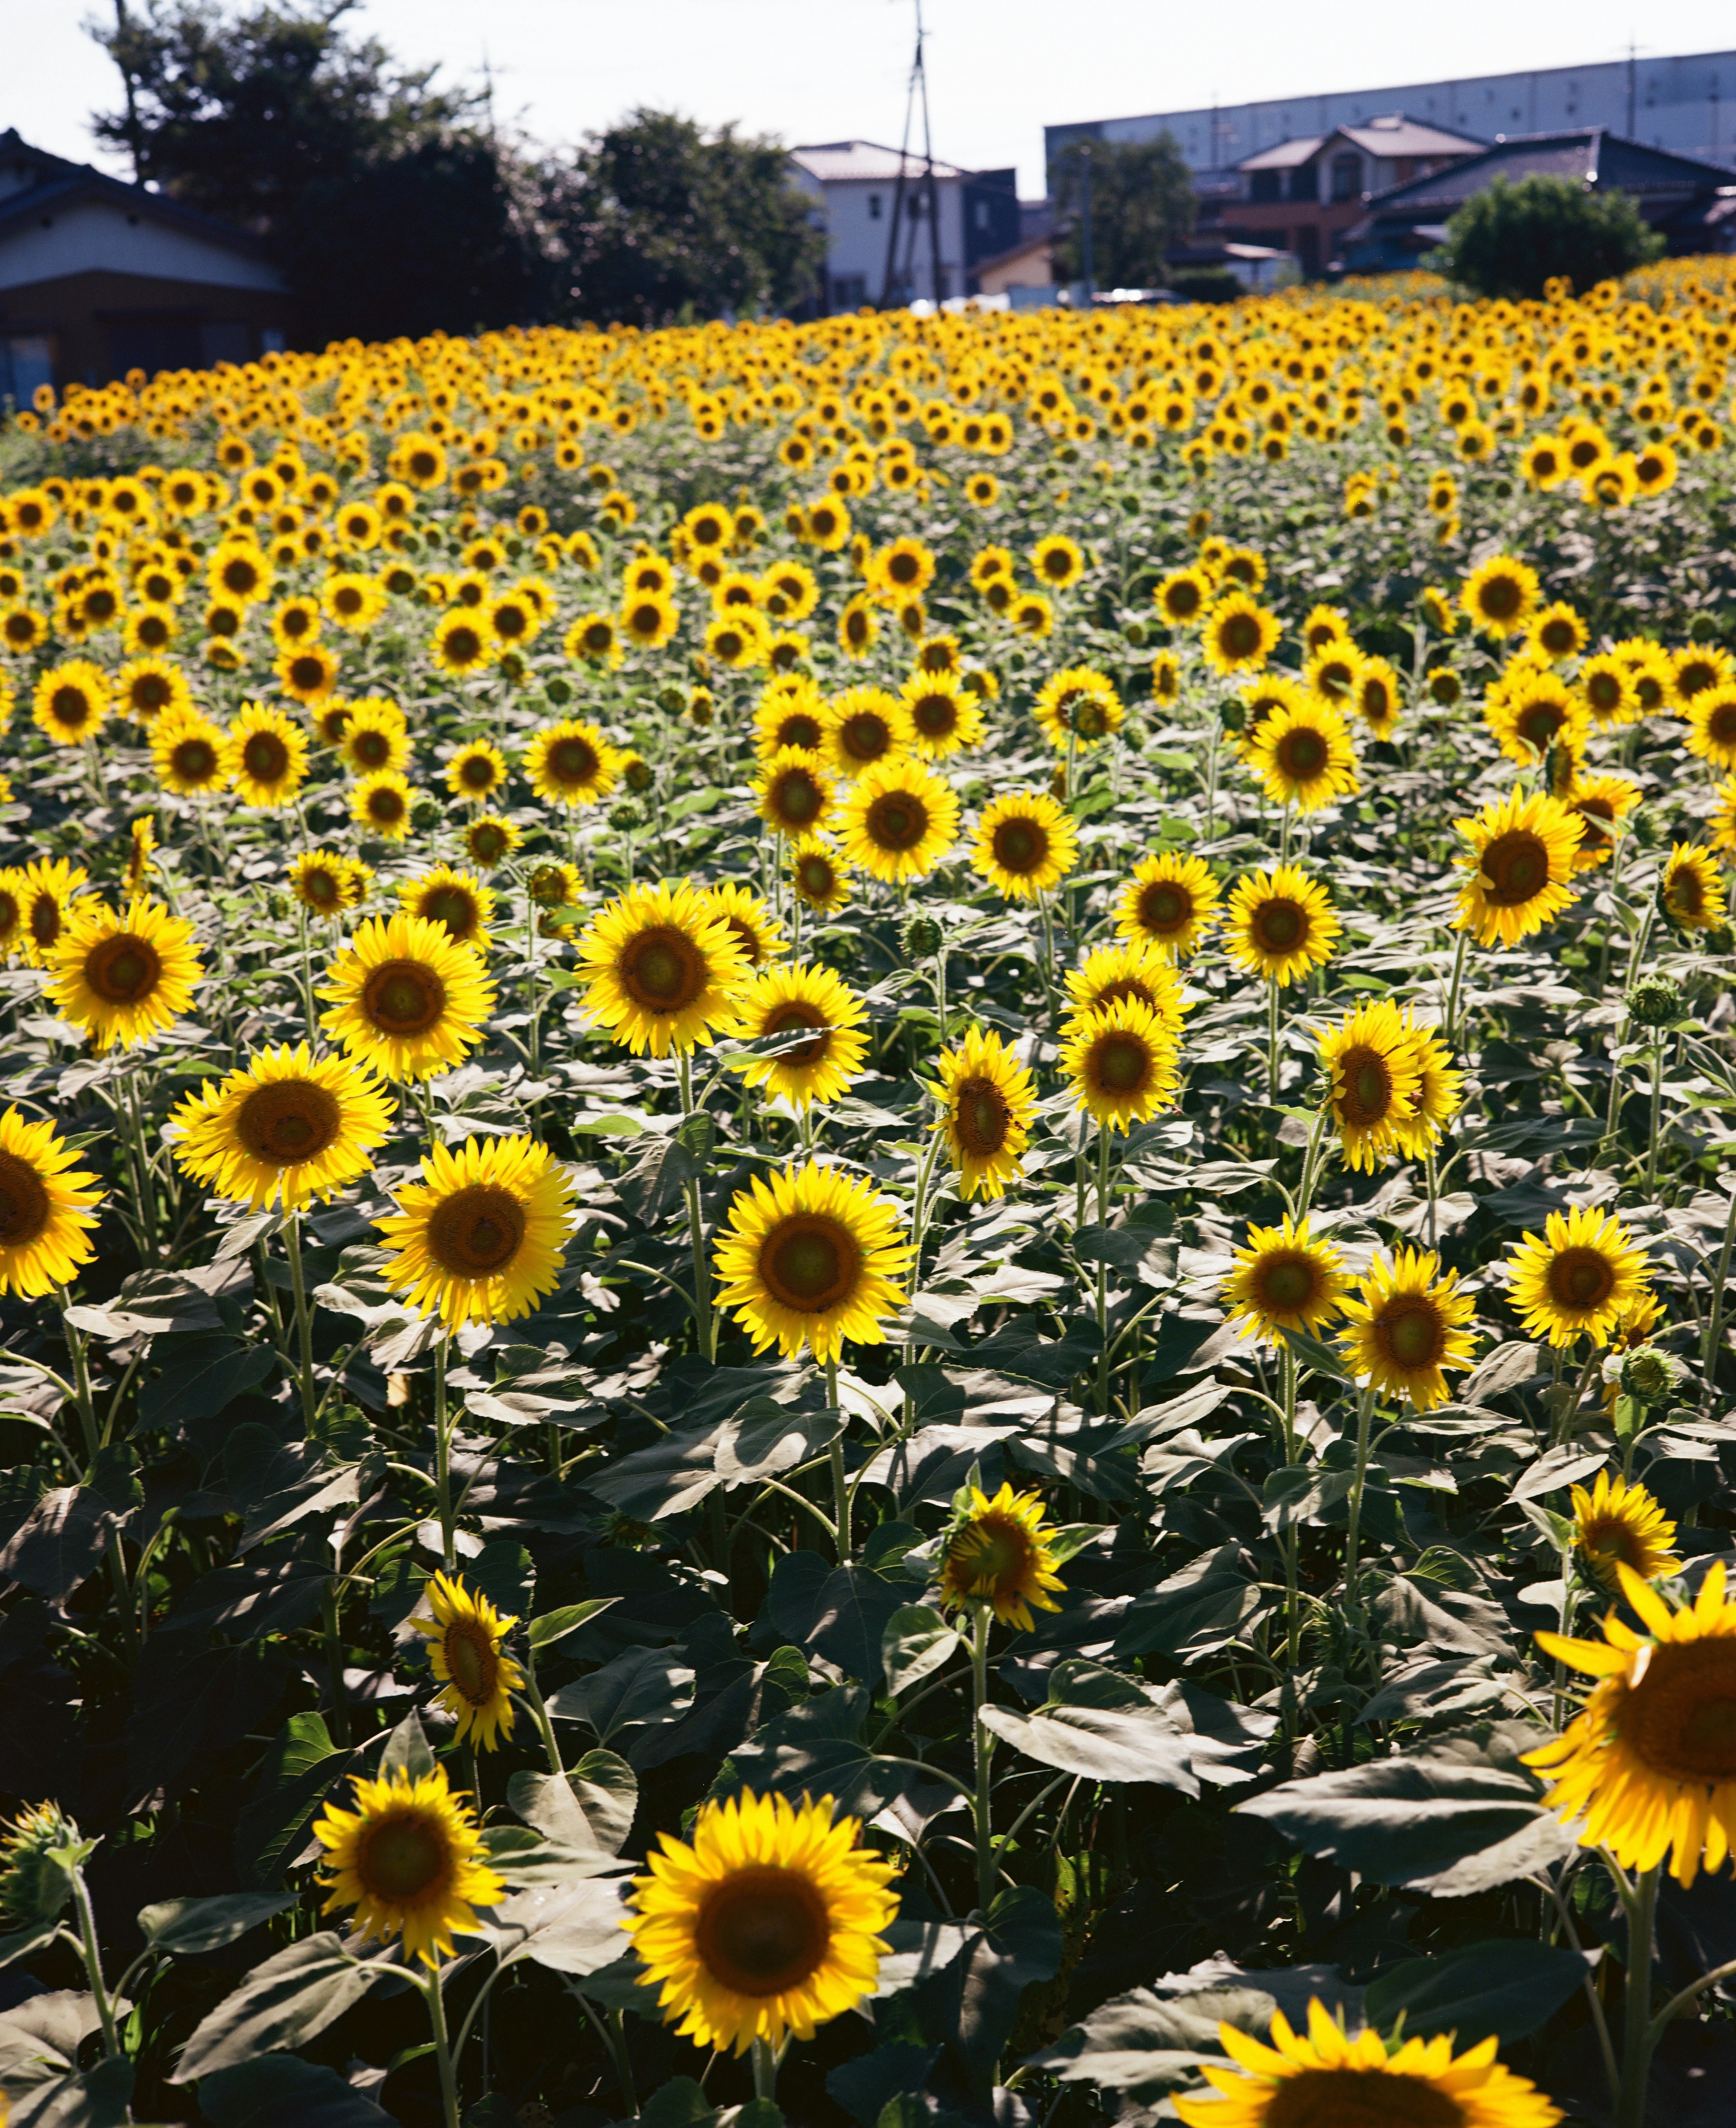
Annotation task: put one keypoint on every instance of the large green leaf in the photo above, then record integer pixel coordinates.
(283, 2003)
(1402, 1819)
(1504, 1989)
(185, 1927)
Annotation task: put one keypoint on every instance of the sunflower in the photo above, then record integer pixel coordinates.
(997, 1552)
(406, 1859)
(13, 894)
(1606, 688)
(290, 1126)
(778, 1001)
(1602, 804)
(903, 569)
(1303, 756)
(863, 725)
(463, 641)
(327, 883)
(382, 803)
(810, 1258)
(1132, 970)
(476, 770)
(1500, 594)
(942, 714)
(1408, 1328)
(1183, 597)
(147, 688)
(739, 639)
(406, 997)
(1032, 615)
(1712, 725)
(1169, 903)
(47, 1206)
(22, 628)
(1529, 709)
(456, 900)
(1371, 1065)
(353, 600)
(1620, 1524)
(1329, 2080)
(755, 928)
(1520, 864)
(1080, 704)
(663, 970)
(296, 620)
(1122, 1063)
(820, 880)
(1691, 893)
(1375, 697)
(766, 1927)
(900, 821)
(1024, 844)
(124, 977)
(466, 1632)
(1439, 1092)
(1648, 1769)
(1723, 822)
(1166, 677)
(375, 737)
(1556, 632)
(570, 764)
(480, 1238)
(307, 675)
(795, 793)
(1284, 1279)
(265, 756)
(71, 701)
(1280, 925)
(790, 713)
(1580, 1274)
(489, 841)
(987, 1106)
(46, 887)
(1239, 634)
(857, 627)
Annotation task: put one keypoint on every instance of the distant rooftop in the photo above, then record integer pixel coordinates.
(840, 162)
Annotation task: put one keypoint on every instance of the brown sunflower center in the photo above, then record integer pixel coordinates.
(1121, 1063)
(1091, 717)
(386, 807)
(1499, 597)
(1410, 1332)
(816, 876)
(796, 797)
(123, 970)
(265, 757)
(1360, 2098)
(662, 970)
(1680, 1717)
(797, 1015)
(1581, 1279)
(475, 772)
(288, 1120)
(1020, 845)
(401, 1858)
(1165, 907)
(572, 761)
(1301, 753)
(762, 1931)
(295, 622)
(320, 888)
(44, 919)
(991, 1556)
(1609, 1537)
(1686, 892)
(150, 693)
(451, 906)
(809, 1262)
(463, 645)
(802, 729)
(487, 844)
(370, 747)
(1516, 866)
(1181, 601)
(865, 737)
(470, 1656)
(1286, 1281)
(935, 715)
(1238, 635)
(1367, 1096)
(195, 760)
(1538, 722)
(70, 706)
(25, 1208)
(403, 997)
(981, 1119)
(511, 622)
(476, 1231)
(1279, 925)
(1559, 637)
(897, 820)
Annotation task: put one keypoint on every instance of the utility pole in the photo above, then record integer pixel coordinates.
(934, 196)
(1087, 269)
(123, 26)
(1633, 86)
(897, 190)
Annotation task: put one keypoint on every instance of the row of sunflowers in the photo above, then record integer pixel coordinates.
(865, 1223)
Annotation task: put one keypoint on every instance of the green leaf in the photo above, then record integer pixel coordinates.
(203, 1377)
(556, 1625)
(300, 1770)
(97, 2097)
(914, 1642)
(1504, 1990)
(281, 2091)
(1100, 1743)
(591, 1805)
(188, 1926)
(407, 1751)
(283, 2003)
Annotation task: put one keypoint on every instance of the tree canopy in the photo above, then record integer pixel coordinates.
(1512, 238)
(1142, 202)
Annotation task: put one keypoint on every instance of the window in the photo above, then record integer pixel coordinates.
(26, 360)
(1263, 185)
(874, 207)
(849, 290)
(1346, 177)
(982, 214)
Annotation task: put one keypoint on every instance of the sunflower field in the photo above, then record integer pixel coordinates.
(867, 1196)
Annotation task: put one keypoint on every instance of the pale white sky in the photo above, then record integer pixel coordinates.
(832, 70)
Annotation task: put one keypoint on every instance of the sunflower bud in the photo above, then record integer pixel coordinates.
(512, 665)
(1135, 633)
(1649, 1375)
(1445, 687)
(626, 818)
(923, 939)
(1232, 715)
(559, 689)
(1649, 832)
(424, 815)
(1654, 1001)
(41, 1849)
(671, 698)
(699, 706)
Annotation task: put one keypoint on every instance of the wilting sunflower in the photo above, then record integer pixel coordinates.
(47, 1207)
(1132, 970)
(124, 977)
(766, 1927)
(327, 883)
(407, 998)
(1303, 756)
(782, 1000)
(1284, 1279)
(489, 841)
(45, 891)
(1280, 925)
(795, 793)
(820, 879)
(480, 1680)
(476, 770)
(663, 970)
(1329, 2080)
(1239, 634)
(997, 1552)
(1648, 1769)
(71, 701)
(756, 928)
(265, 756)
(1078, 704)
(147, 688)
(1620, 1524)
(898, 821)
(987, 1106)
(863, 725)
(1024, 844)
(943, 715)
(1121, 1062)
(406, 1859)
(1407, 1326)
(1372, 1069)
(457, 900)
(571, 764)
(1580, 1274)
(1690, 892)
(290, 1126)
(1500, 594)
(382, 803)
(810, 1258)
(1520, 864)
(1170, 903)
(480, 1238)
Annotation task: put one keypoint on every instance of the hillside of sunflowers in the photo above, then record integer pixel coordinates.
(867, 1203)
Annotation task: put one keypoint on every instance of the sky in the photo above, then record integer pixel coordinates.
(813, 70)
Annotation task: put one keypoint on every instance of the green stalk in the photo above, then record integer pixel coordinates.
(304, 1318)
(764, 2071)
(1103, 1135)
(539, 1708)
(530, 977)
(1450, 1025)
(1656, 1108)
(1714, 1320)
(93, 1963)
(983, 1740)
(705, 1325)
(1638, 2037)
(307, 976)
(1364, 1419)
(840, 1476)
(1292, 1537)
(442, 1461)
(442, 2051)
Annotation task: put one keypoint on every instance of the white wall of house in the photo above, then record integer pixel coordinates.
(98, 236)
(857, 216)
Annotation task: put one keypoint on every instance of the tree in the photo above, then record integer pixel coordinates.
(1511, 239)
(1142, 201)
(651, 220)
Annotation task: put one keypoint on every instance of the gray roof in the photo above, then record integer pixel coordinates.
(51, 181)
(1591, 154)
(1396, 136)
(835, 162)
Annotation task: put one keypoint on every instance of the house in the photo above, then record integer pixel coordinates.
(1301, 194)
(1691, 202)
(1029, 264)
(891, 219)
(98, 277)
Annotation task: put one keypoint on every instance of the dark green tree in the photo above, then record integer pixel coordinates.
(652, 220)
(1142, 201)
(1511, 239)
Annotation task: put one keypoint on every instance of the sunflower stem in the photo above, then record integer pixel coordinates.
(443, 2062)
(93, 1963)
(304, 1319)
(705, 1325)
(1657, 1109)
(1364, 1419)
(1272, 1022)
(539, 1708)
(840, 1476)
(307, 978)
(443, 1460)
(1639, 2034)
(333, 1639)
(983, 1742)
(1103, 1149)
(534, 1006)
(1433, 1189)
(764, 2071)
(1450, 1021)
(1714, 1317)
(1292, 1537)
